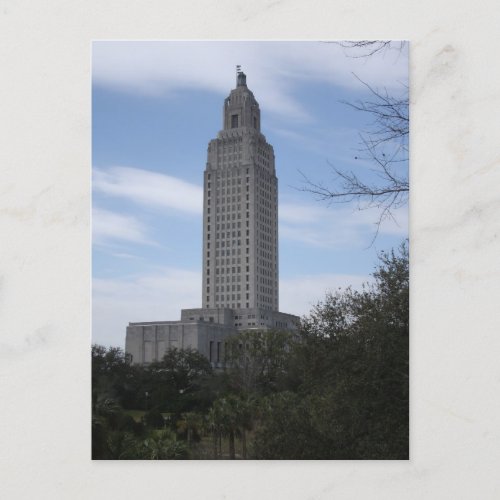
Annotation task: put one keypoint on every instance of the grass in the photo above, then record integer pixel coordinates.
(135, 414)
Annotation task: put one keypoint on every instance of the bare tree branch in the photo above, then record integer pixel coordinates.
(367, 48)
(384, 144)
(390, 116)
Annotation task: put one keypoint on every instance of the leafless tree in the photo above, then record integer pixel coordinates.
(366, 48)
(384, 144)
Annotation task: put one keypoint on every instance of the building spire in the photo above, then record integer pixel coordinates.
(241, 78)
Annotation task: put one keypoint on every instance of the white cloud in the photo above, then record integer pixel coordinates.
(109, 226)
(301, 213)
(149, 188)
(157, 296)
(298, 295)
(274, 69)
(160, 296)
(123, 255)
(336, 226)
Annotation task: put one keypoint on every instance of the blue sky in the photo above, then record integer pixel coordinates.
(155, 107)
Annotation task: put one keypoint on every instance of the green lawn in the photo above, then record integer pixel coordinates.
(135, 414)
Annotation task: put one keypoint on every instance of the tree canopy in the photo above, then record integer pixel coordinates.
(337, 388)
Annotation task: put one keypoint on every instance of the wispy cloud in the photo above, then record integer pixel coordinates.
(275, 69)
(300, 294)
(149, 188)
(157, 296)
(123, 255)
(160, 296)
(336, 226)
(109, 226)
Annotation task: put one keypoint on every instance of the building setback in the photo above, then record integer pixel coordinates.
(240, 211)
(240, 244)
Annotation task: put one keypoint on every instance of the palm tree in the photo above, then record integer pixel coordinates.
(214, 426)
(245, 410)
(162, 445)
(233, 417)
(225, 410)
(190, 423)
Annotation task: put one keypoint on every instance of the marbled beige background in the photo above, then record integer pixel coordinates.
(45, 248)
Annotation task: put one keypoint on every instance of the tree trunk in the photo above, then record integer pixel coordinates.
(244, 443)
(232, 453)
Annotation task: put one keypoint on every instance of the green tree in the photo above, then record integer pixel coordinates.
(114, 377)
(351, 367)
(257, 360)
(231, 416)
(213, 422)
(154, 419)
(109, 427)
(190, 424)
(177, 382)
(162, 445)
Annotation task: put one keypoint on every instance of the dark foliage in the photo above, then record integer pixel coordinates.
(352, 365)
(154, 419)
(338, 389)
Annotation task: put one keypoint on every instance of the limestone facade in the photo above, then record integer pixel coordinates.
(205, 330)
(240, 211)
(240, 244)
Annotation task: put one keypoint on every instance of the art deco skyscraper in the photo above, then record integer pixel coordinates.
(240, 211)
(240, 245)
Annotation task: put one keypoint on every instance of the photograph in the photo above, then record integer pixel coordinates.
(250, 250)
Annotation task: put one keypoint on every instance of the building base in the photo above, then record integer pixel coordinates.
(204, 330)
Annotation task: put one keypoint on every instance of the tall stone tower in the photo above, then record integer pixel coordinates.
(240, 245)
(240, 211)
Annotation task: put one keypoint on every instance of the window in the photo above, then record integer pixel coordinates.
(211, 351)
(234, 121)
